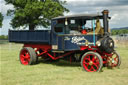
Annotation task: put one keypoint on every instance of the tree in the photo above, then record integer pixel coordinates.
(1, 19)
(35, 13)
(120, 31)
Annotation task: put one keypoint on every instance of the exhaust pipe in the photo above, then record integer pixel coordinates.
(105, 21)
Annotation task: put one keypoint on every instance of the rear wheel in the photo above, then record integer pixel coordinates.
(28, 56)
(91, 62)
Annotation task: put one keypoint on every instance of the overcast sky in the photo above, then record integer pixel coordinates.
(118, 11)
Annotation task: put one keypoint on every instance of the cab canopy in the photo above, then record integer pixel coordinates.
(83, 16)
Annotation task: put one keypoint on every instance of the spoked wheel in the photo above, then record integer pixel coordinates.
(91, 62)
(113, 60)
(28, 56)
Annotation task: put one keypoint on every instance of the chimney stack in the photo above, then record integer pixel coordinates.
(105, 21)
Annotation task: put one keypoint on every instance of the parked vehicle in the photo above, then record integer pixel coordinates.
(122, 37)
(78, 38)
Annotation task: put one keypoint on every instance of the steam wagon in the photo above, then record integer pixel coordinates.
(83, 38)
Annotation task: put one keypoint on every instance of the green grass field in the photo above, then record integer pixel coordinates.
(57, 73)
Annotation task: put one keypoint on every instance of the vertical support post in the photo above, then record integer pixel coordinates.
(94, 32)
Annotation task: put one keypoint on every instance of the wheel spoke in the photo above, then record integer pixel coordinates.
(116, 58)
(26, 53)
(87, 58)
(111, 54)
(90, 68)
(86, 63)
(96, 65)
(93, 58)
(22, 56)
(27, 56)
(93, 69)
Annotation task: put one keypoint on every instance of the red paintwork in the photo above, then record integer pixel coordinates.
(42, 53)
(24, 57)
(84, 31)
(94, 66)
(45, 50)
(57, 57)
(88, 48)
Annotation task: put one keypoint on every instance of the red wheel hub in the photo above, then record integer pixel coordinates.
(91, 63)
(24, 57)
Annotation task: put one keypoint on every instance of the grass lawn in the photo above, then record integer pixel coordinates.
(57, 73)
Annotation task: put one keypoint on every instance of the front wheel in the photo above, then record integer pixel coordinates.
(113, 60)
(91, 62)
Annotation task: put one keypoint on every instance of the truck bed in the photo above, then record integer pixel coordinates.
(27, 36)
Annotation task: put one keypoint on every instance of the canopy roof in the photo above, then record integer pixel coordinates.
(83, 16)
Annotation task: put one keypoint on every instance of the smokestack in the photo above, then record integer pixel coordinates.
(105, 21)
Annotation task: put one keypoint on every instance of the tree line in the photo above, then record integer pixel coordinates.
(3, 37)
(119, 31)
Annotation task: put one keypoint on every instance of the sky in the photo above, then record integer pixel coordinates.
(118, 11)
